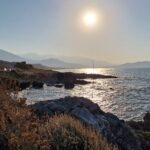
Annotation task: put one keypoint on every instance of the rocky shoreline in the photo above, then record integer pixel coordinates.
(126, 135)
(36, 78)
(116, 131)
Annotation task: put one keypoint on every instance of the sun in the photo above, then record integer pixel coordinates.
(90, 19)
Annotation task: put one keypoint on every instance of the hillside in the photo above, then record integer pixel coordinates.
(7, 56)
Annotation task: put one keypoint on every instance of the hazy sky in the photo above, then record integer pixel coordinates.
(52, 27)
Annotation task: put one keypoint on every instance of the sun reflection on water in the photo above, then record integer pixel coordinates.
(104, 71)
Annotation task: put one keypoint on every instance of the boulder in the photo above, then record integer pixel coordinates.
(37, 85)
(24, 85)
(58, 85)
(141, 125)
(69, 85)
(147, 118)
(142, 128)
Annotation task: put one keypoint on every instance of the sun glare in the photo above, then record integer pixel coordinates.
(90, 19)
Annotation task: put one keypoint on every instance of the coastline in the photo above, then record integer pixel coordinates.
(125, 135)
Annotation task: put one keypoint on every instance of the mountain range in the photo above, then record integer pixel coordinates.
(75, 62)
(48, 62)
(54, 61)
(142, 64)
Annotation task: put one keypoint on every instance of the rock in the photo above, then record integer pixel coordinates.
(141, 125)
(142, 128)
(24, 85)
(69, 78)
(59, 108)
(69, 85)
(82, 82)
(58, 85)
(92, 76)
(123, 134)
(147, 118)
(104, 126)
(85, 115)
(114, 130)
(37, 85)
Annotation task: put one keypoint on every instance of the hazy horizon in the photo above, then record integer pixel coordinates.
(54, 28)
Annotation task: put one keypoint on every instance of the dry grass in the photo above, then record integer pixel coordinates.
(70, 134)
(20, 129)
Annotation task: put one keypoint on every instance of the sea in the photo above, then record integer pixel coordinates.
(127, 96)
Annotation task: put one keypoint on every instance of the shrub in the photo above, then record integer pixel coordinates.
(69, 133)
(23, 65)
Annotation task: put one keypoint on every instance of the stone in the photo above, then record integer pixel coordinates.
(37, 85)
(69, 85)
(24, 85)
(147, 118)
(85, 115)
(58, 85)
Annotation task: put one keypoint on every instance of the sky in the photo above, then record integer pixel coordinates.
(53, 27)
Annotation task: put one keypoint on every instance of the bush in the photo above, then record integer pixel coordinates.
(68, 133)
(23, 65)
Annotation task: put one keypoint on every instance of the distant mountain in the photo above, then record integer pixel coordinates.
(87, 62)
(51, 62)
(33, 56)
(84, 62)
(143, 64)
(56, 63)
(7, 56)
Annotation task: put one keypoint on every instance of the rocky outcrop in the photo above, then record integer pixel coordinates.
(141, 125)
(24, 85)
(69, 85)
(70, 79)
(27, 84)
(147, 120)
(142, 128)
(27, 75)
(116, 131)
(37, 85)
(74, 76)
(58, 85)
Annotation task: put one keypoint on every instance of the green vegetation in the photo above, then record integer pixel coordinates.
(21, 129)
(23, 65)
